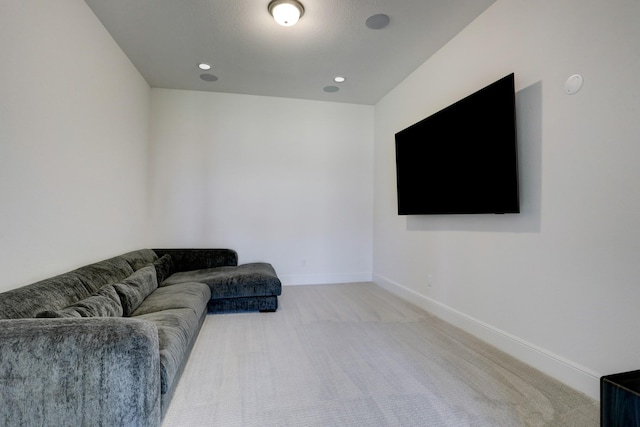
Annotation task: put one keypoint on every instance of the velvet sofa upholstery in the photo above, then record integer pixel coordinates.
(248, 287)
(105, 344)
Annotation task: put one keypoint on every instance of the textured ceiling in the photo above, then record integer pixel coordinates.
(251, 54)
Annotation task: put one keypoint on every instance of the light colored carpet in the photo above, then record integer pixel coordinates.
(356, 355)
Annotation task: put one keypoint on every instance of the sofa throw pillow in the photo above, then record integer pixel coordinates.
(104, 303)
(164, 268)
(135, 288)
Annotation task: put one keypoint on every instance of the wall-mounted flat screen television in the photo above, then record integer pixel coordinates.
(462, 159)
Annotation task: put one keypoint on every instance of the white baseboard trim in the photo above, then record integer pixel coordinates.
(323, 279)
(558, 367)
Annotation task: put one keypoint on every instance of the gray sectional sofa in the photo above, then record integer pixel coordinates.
(105, 344)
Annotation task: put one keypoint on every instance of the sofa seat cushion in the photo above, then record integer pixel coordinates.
(185, 295)
(177, 328)
(246, 280)
(104, 303)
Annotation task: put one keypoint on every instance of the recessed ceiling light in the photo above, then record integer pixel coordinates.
(204, 66)
(331, 89)
(339, 79)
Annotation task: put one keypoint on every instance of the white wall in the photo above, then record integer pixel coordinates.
(73, 142)
(557, 285)
(285, 181)
(290, 182)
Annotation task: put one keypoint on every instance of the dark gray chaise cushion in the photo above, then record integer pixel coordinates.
(104, 303)
(177, 311)
(135, 288)
(246, 280)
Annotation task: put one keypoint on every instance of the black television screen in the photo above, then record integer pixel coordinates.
(462, 159)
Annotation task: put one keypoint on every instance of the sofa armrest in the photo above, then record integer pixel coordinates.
(79, 372)
(197, 259)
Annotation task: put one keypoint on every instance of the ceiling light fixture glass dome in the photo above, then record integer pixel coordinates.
(286, 12)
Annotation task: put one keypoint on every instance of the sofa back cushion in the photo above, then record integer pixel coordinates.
(135, 288)
(58, 292)
(196, 259)
(96, 275)
(104, 303)
(140, 258)
(164, 268)
(49, 294)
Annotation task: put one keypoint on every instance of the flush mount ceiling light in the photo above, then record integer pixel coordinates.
(204, 66)
(286, 12)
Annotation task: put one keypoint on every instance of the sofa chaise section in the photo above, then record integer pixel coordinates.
(247, 287)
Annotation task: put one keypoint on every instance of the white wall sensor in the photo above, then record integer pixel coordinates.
(573, 84)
